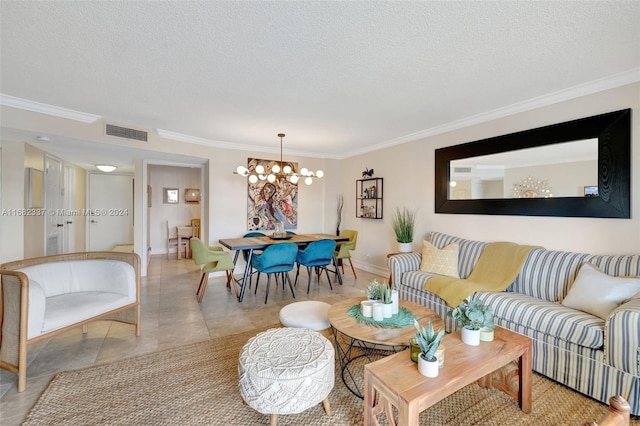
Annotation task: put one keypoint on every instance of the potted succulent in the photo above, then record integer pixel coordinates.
(387, 301)
(429, 341)
(403, 225)
(473, 315)
(374, 290)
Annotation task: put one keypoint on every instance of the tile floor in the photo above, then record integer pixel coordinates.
(171, 317)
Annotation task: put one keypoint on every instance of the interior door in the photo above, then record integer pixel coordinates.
(53, 200)
(110, 206)
(70, 221)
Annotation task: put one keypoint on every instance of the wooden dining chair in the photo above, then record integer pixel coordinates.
(195, 224)
(172, 241)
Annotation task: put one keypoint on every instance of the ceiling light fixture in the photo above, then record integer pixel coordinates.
(280, 170)
(107, 168)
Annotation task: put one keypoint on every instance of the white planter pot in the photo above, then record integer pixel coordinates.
(378, 311)
(486, 334)
(440, 355)
(395, 301)
(470, 337)
(387, 310)
(405, 247)
(428, 368)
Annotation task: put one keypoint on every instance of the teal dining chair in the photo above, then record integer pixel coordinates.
(277, 259)
(212, 259)
(316, 256)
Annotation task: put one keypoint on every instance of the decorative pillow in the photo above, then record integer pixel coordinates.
(597, 293)
(440, 261)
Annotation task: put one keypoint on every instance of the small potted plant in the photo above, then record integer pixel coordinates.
(473, 315)
(429, 341)
(374, 290)
(387, 301)
(403, 225)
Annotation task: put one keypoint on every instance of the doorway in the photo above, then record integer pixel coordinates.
(110, 208)
(53, 199)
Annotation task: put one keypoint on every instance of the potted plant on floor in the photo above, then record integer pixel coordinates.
(428, 340)
(473, 315)
(403, 225)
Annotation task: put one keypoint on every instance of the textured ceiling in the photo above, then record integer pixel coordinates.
(337, 77)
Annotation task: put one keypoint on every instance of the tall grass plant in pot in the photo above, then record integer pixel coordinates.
(404, 221)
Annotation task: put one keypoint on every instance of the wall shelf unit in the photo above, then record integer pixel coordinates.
(369, 198)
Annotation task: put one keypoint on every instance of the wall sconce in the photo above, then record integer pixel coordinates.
(192, 195)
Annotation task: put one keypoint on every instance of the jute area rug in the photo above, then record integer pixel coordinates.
(197, 384)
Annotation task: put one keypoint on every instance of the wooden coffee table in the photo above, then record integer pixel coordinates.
(358, 344)
(397, 381)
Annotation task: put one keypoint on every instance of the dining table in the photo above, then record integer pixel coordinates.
(260, 243)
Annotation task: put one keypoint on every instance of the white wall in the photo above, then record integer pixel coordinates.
(12, 185)
(408, 172)
(408, 175)
(34, 237)
(564, 180)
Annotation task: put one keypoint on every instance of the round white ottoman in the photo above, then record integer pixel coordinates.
(309, 314)
(285, 371)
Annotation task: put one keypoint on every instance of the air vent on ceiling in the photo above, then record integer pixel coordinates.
(125, 132)
(462, 169)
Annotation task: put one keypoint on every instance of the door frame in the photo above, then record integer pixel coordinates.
(141, 233)
(87, 217)
(48, 206)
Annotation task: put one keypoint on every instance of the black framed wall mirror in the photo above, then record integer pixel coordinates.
(580, 168)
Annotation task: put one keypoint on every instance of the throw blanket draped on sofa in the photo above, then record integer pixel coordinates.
(497, 267)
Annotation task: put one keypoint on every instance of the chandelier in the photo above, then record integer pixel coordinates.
(280, 170)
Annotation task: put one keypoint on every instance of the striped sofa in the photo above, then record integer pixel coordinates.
(595, 357)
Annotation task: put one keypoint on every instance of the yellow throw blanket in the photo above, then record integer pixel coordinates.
(496, 268)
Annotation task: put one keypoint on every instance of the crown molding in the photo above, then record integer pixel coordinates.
(611, 82)
(12, 101)
(167, 134)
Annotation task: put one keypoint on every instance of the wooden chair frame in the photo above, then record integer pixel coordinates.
(14, 300)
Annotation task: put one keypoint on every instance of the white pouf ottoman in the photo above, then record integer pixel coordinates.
(309, 314)
(285, 371)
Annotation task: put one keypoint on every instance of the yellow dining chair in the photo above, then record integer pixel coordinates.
(213, 259)
(343, 249)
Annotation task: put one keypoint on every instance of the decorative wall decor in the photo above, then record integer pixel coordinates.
(369, 198)
(170, 195)
(271, 202)
(192, 195)
(613, 132)
(530, 187)
(367, 173)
